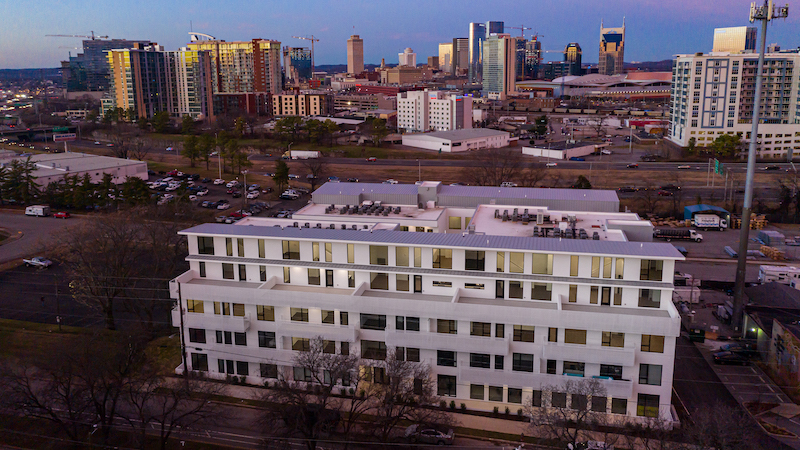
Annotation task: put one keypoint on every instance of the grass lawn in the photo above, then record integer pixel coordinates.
(24, 339)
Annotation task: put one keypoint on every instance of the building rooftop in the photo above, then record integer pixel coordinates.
(457, 135)
(49, 164)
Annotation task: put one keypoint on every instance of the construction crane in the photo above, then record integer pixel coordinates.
(92, 37)
(521, 29)
(312, 39)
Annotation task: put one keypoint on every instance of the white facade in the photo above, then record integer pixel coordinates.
(53, 167)
(458, 140)
(408, 58)
(190, 89)
(489, 308)
(433, 110)
(713, 95)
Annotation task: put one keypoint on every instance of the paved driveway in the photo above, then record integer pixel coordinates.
(30, 234)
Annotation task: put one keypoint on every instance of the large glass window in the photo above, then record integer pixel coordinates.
(266, 339)
(516, 262)
(205, 245)
(454, 223)
(652, 343)
(378, 255)
(238, 309)
(599, 404)
(412, 323)
(328, 252)
(200, 362)
(619, 406)
(446, 358)
(574, 336)
(442, 258)
(417, 257)
(379, 281)
(242, 272)
(313, 277)
(541, 291)
(514, 395)
(401, 256)
(240, 247)
(647, 405)
(593, 294)
(262, 253)
(552, 334)
(515, 289)
(573, 293)
(476, 391)
(607, 265)
(573, 265)
(619, 271)
(480, 360)
(197, 335)
(287, 274)
(351, 254)
(480, 329)
(194, 306)
(495, 393)
(501, 261)
(315, 251)
(574, 368)
(542, 263)
(328, 316)
(402, 282)
(558, 399)
(475, 260)
(373, 322)
(614, 372)
(595, 267)
(611, 339)
(652, 270)
(229, 246)
(446, 385)
(523, 333)
(649, 298)
(446, 326)
(373, 350)
(299, 314)
(522, 362)
(227, 271)
(291, 249)
(650, 374)
(301, 344)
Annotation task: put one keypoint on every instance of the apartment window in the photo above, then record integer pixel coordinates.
(302, 374)
(523, 333)
(541, 291)
(240, 338)
(495, 393)
(611, 339)
(650, 374)
(329, 347)
(291, 249)
(574, 336)
(514, 395)
(328, 278)
(499, 330)
(445, 358)
(194, 306)
(266, 339)
(454, 223)
(401, 256)
(479, 286)
(225, 366)
(197, 335)
(599, 404)
(200, 362)
(378, 255)
(238, 309)
(618, 296)
(613, 372)
(480, 329)
(516, 262)
(573, 293)
(287, 275)
(442, 258)
(412, 354)
(652, 343)
(373, 322)
(262, 273)
(480, 360)
(593, 293)
(351, 278)
(515, 289)
(240, 247)
(261, 251)
(476, 391)
(328, 252)
(227, 271)
(552, 335)
(205, 245)
(649, 298)
(328, 316)
(542, 264)
(651, 270)
(417, 256)
(579, 402)
(299, 314)
(379, 281)
(595, 267)
(351, 254)
(573, 265)
(551, 366)
(229, 246)
(268, 370)
(445, 284)
(202, 269)
(498, 362)
(474, 260)
(446, 326)
(222, 308)
(647, 405)
(501, 261)
(301, 344)
(313, 277)
(242, 272)
(619, 406)
(522, 362)
(607, 265)
(574, 368)
(446, 385)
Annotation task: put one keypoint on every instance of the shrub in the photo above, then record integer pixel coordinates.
(463, 406)
(496, 410)
(452, 404)
(442, 404)
(519, 412)
(508, 411)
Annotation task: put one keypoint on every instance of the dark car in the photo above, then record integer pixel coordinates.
(730, 358)
(352, 180)
(236, 194)
(626, 189)
(664, 193)
(772, 168)
(670, 187)
(742, 349)
(206, 180)
(577, 158)
(418, 434)
(632, 166)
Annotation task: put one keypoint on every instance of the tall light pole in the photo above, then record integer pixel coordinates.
(763, 13)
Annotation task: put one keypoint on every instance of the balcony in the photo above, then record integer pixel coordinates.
(538, 381)
(286, 327)
(589, 354)
(238, 324)
(442, 341)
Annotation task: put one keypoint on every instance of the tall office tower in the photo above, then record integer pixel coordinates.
(138, 80)
(419, 111)
(520, 65)
(408, 58)
(460, 56)
(477, 34)
(446, 57)
(433, 62)
(88, 71)
(533, 57)
(499, 66)
(735, 39)
(612, 50)
(573, 53)
(713, 95)
(190, 86)
(244, 66)
(355, 55)
(297, 63)
(448, 279)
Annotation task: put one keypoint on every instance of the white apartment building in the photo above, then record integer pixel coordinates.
(433, 110)
(713, 94)
(505, 296)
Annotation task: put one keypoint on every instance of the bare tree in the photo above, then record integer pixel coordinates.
(599, 125)
(532, 175)
(128, 142)
(654, 433)
(317, 168)
(567, 412)
(495, 166)
(721, 427)
(648, 197)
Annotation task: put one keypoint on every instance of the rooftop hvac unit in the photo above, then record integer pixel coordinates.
(307, 225)
(295, 225)
(355, 227)
(344, 227)
(539, 218)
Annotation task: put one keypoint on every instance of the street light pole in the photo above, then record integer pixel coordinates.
(419, 170)
(763, 13)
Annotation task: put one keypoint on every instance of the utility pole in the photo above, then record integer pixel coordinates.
(763, 13)
(58, 307)
(183, 338)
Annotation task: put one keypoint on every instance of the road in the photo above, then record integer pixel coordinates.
(30, 235)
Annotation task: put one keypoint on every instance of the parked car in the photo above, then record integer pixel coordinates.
(632, 166)
(38, 261)
(577, 158)
(551, 164)
(219, 181)
(253, 187)
(730, 358)
(372, 159)
(418, 434)
(252, 195)
(627, 189)
(61, 215)
(236, 194)
(206, 180)
(606, 152)
(664, 193)
(290, 195)
(294, 177)
(391, 181)
(508, 184)
(240, 213)
(352, 180)
(333, 179)
(771, 168)
(223, 206)
(670, 187)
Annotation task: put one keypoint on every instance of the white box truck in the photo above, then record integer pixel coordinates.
(37, 210)
(301, 154)
(709, 221)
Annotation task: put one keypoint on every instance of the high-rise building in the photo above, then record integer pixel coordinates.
(440, 275)
(612, 50)
(713, 95)
(190, 84)
(735, 39)
(477, 34)
(446, 57)
(302, 105)
(494, 28)
(533, 57)
(433, 110)
(521, 55)
(88, 71)
(499, 66)
(408, 58)
(138, 80)
(573, 54)
(296, 63)
(461, 50)
(355, 55)
(244, 66)
(433, 62)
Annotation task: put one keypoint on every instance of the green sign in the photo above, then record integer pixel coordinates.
(60, 129)
(717, 167)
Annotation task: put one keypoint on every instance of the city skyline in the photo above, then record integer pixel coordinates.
(656, 30)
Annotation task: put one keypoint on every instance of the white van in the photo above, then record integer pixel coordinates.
(37, 210)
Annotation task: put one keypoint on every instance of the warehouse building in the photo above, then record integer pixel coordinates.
(458, 140)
